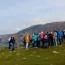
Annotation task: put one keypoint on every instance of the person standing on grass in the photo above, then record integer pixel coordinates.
(11, 44)
(55, 38)
(27, 40)
(35, 40)
(38, 39)
(41, 39)
(60, 35)
(50, 39)
(46, 43)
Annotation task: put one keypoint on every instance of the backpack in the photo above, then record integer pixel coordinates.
(45, 36)
(41, 36)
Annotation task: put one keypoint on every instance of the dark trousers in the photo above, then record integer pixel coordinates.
(46, 44)
(60, 40)
(38, 43)
(41, 43)
(51, 43)
(11, 47)
(35, 43)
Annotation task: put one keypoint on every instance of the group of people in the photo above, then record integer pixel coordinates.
(41, 40)
(44, 40)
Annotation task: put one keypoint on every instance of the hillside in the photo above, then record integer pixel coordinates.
(34, 29)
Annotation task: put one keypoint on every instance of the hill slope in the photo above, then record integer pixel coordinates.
(34, 29)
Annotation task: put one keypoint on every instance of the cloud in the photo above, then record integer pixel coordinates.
(18, 29)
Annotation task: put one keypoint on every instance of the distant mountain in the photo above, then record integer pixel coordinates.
(34, 29)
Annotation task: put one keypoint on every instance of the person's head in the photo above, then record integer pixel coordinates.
(12, 38)
(41, 31)
(27, 34)
(55, 30)
(47, 32)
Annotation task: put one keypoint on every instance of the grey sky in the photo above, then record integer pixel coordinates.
(16, 15)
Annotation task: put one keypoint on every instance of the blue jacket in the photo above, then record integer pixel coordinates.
(34, 37)
(38, 36)
(60, 34)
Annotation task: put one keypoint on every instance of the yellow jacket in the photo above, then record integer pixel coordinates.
(27, 38)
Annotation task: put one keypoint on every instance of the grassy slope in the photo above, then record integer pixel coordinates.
(33, 56)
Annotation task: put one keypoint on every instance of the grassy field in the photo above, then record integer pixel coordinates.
(40, 56)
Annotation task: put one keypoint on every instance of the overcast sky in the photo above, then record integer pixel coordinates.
(16, 15)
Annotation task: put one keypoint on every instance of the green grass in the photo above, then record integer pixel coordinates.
(40, 56)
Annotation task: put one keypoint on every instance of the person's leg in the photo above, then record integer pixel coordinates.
(40, 43)
(56, 42)
(26, 45)
(11, 46)
(46, 43)
(34, 44)
(60, 41)
(52, 43)
(37, 43)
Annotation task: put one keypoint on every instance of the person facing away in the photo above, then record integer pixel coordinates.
(46, 44)
(41, 39)
(38, 39)
(60, 35)
(35, 40)
(27, 40)
(50, 39)
(11, 44)
(55, 38)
